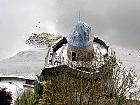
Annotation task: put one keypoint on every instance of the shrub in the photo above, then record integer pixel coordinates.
(27, 98)
(5, 97)
(42, 39)
(112, 85)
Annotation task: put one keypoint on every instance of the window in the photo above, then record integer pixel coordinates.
(73, 56)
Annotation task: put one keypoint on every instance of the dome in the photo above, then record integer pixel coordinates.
(80, 35)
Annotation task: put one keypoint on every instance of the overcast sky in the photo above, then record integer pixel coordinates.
(116, 21)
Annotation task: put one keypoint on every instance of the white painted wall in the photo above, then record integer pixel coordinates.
(16, 88)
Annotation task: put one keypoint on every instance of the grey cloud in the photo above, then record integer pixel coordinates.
(116, 21)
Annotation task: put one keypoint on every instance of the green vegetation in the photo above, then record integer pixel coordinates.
(5, 97)
(27, 98)
(111, 87)
(42, 39)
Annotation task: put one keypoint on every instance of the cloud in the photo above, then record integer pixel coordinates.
(18, 19)
(116, 21)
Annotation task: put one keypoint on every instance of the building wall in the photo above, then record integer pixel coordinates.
(85, 53)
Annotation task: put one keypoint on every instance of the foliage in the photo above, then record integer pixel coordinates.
(5, 97)
(27, 98)
(42, 39)
(112, 85)
(45, 98)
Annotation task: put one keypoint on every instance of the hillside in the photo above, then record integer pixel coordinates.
(27, 61)
(32, 60)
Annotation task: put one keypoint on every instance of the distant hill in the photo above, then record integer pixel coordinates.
(32, 60)
(28, 61)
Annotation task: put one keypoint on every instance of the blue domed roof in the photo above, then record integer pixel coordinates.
(80, 35)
